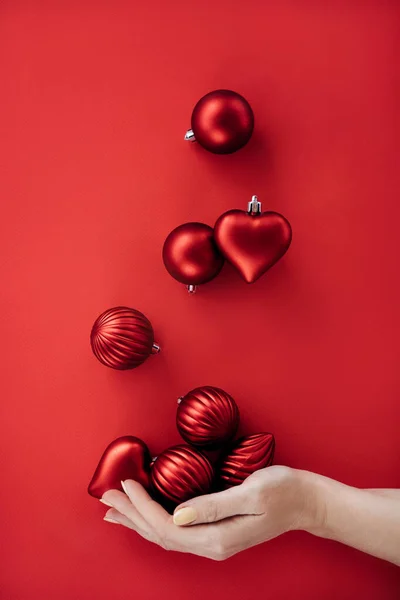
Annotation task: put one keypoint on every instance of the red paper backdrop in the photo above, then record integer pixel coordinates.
(95, 99)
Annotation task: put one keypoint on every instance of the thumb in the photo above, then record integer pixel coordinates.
(212, 507)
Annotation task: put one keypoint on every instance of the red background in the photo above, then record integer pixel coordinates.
(95, 100)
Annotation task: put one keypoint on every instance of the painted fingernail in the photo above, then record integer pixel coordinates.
(110, 520)
(106, 503)
(124, 487)
(184, 516)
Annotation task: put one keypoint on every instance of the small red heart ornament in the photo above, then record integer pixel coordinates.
(127, 457)
(252, 241)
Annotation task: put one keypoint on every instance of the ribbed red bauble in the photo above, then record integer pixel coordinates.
(191, 255)
(122, 338)
(207, 417)
(248, 454)
(222, 122)
(252, 241)
(180, 473)
(126, 457)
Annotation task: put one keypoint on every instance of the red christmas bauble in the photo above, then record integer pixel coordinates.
(252, 241)
(122, 338)
(126, 457)
(190, 254)
(180, 473)
(222, 122)
(248, 454)
(207, 417)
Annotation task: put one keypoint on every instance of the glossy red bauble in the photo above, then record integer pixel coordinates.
(126, 457)
(222, 122)
(252, 242)
(180, 473)
(207, 417)
(122, 338)
(190, 254)
(248, 454)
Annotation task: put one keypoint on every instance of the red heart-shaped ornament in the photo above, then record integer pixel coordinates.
(252, 242)
(126, 457)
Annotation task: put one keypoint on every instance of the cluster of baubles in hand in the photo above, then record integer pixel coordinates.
(207, 419)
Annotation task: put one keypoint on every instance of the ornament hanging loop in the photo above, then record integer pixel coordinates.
(191, 289)
(155, 349)
(189, 136)
(254, 206)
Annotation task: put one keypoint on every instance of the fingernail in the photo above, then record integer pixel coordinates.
(184, 516)
(106, 503)
(110, 520)
(124, 487)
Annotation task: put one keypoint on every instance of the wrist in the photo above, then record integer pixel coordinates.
(311, 510)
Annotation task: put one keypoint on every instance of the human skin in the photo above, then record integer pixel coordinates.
(270, 502)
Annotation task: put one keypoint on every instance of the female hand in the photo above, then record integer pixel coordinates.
(268, 503)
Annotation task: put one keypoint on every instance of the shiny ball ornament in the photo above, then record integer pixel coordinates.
(248, 454)
(126, 457)
(207, 417)
(122, 338)
(252, 241)
(180, 473)
(222, 122)
(191, 256)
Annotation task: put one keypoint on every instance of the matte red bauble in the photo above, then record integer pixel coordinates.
(222, 122)
(191, 255)
(180, 473)
(249, 453)
(252, 241)
(122, 338)
(126, 457)
(207, 417)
